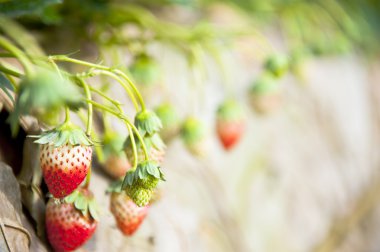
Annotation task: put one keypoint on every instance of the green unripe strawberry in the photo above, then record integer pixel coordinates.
(277, 64)
(265, 94)
(140, 183)
(140, 196)
(170, 121)
(193, 134)
(145, 70)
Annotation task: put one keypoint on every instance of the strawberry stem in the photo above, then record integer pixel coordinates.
(110, 72)
(24, 60)
(135, 161)
(89, 110)
(126, 120)
(67, 114)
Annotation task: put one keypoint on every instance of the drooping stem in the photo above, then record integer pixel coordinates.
(135, 161)
(25, 62)
(133, 86)
(126, 120)
(110, 72)
(67, 114)
(10, 71)
(126, 88)
(89, 110)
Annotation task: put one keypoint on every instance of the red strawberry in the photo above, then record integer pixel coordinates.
(65, 167)
(65, 158)
(127, 214)
(230, 123)
(68, 227)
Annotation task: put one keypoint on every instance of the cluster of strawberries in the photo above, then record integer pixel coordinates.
(66, 155)
(65, 158)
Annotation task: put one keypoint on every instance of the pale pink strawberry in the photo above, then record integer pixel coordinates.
(64, 167)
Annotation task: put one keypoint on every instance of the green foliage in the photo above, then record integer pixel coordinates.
(17, 8)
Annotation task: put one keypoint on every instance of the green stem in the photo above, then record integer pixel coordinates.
(67, 115)
(106, 71)
(89, 110)
(126, 88)
(133, 86)
(95, 137)
(126, 120)
(105, 96)
(25, 62)
(10, 71)
(135, 161)
(79, 62)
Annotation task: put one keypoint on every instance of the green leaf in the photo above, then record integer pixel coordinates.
(17, 8)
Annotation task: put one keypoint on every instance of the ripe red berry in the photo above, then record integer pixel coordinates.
(67, 227)
(230, 124)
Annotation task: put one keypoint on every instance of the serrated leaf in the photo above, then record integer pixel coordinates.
(93, 208)
(62, 138)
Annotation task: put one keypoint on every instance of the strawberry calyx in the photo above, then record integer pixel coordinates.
(63, 134)
(230, 110)
(192, 131)
(84, 201)
(146, 175)
(147, 122)
(266, 84)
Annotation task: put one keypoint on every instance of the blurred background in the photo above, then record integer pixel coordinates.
(304, 176)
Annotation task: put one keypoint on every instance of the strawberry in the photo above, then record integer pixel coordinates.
(170, 121)
(277, 65)
(127, 214)
(65, 158)
(145, 70)
(116, 163)
(265, 94)
(230, 123)
(140, 183)
(116, 166)
(71, 223)
(193, 134)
